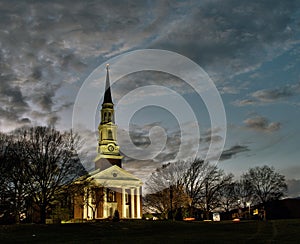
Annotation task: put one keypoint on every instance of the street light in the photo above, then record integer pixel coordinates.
(248, 204)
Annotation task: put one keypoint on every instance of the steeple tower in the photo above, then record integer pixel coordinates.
(108, 153)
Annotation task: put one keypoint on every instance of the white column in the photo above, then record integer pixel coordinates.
(132, 202)
(85, 207)
(138, 205)
(90, 212)
(123, 203)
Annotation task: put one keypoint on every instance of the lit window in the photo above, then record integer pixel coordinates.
(111, 196)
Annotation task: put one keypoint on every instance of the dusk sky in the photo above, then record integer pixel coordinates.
(249, 49)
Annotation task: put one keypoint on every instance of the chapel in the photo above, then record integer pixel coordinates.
(109, 188)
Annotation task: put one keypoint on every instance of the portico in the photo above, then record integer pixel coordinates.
(117, 189)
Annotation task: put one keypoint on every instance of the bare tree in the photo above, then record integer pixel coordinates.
(14, 177)
(229, 196)
(244, 193)
(51, 164)
(190, 184)
(214, 182)
(6, 199)
(265, 184)
(158, 202)
(165, 188)
(194, 177)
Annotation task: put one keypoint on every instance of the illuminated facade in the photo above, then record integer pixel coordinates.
(109, 187)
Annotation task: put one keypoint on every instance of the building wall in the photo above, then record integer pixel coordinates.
(119, 201)
(78, 207)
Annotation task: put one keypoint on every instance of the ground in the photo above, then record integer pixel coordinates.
(274, 231)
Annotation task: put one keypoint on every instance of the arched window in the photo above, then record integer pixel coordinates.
(111, 196)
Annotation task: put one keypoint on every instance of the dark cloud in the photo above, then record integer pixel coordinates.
(45, 44)
(240, 31)
(25, 121)
(231, 152)
(59, 42)
(146, 78)
(44, 96)
(260, 123)
(139, 135)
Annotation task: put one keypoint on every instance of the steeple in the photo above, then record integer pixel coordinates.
(107, 111)
(107, 94)
(108, 153)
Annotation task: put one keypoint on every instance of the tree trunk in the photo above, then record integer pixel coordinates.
(17, 216)
(206, 214)
(43, 214)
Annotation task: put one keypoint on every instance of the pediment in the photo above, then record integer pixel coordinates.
(114, 175)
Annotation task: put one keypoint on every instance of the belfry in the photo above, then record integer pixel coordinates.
(109, 188)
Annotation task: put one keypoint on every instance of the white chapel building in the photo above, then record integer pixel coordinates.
(109, 188)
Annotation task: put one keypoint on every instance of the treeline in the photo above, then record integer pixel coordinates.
(34, 165)
(181, 189)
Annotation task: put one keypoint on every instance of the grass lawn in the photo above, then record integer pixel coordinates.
(273, 231)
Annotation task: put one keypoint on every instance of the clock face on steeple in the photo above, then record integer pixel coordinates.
(111, 148)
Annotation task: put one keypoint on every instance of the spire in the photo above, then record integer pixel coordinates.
(107, 94)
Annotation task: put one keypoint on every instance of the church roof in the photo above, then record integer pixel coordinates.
(107, 94)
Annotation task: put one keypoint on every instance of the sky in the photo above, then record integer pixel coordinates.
(53, 52)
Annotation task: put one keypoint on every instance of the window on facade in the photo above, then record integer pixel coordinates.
(111, 196)
(126, 198)
(110, 137)
(66, 201)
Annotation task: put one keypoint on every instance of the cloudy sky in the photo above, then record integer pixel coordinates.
(249, 49)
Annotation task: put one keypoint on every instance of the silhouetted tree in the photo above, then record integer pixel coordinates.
(34, 164)
(165, 189)
(194, 184)
(14, 175)
(244, 193)
(229, 196)
(214, 182)
(52, 163)
(264, 184)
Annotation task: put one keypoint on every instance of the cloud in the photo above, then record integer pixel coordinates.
(47, 45)
(233, 37)
(211, 136)
(231, 152)
(260, 123)
(273, 95)
(266, 96)
(139, 135)
(54, 44)
(244, 102)
(229, 90)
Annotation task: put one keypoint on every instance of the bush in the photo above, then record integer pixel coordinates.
(116, 216)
